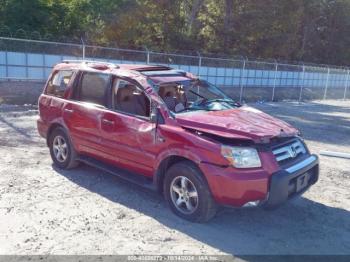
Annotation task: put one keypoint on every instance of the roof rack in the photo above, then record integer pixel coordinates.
(91, 62)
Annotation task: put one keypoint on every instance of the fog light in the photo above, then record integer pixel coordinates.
(252, 203)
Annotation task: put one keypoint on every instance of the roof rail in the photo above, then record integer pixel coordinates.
(90, 62)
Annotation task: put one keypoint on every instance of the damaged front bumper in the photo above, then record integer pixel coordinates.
(257, 188)
(291, 182)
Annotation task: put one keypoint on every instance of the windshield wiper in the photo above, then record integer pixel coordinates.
(193, 108)
(225, 100)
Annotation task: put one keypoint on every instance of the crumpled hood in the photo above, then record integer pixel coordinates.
(242, 123)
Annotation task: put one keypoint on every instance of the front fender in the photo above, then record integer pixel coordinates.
(176, 152)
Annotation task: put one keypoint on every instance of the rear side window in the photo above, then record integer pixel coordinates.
(59, 83)
(94, 88)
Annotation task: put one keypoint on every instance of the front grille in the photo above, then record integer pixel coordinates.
(288, 152)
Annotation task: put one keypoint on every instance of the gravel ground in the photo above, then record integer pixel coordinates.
(44, 210)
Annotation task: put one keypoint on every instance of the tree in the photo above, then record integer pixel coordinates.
(309, 30)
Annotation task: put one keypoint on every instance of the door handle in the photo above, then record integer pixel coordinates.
(108, 122)
(68, 110)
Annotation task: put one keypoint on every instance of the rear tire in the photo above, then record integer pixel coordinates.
(61, 149)
(187, 193)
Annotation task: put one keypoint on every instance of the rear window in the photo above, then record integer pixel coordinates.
(59, 83)
(94, 88)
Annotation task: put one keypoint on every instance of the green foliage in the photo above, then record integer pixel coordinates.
(308, 30)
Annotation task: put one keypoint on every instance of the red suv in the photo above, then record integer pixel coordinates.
(169, 131)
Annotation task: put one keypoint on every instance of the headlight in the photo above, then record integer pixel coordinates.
(241, 157)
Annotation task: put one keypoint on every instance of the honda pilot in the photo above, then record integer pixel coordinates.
(169, 131)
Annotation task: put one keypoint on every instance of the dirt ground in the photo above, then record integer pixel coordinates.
(44, 210)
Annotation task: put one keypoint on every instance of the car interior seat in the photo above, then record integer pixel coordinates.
(130, 100)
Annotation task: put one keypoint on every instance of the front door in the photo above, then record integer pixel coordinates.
(127, 130)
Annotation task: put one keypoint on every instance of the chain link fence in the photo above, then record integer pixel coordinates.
(245, 80)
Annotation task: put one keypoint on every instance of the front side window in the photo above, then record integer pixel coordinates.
(59, 83)
(94, 88)
(128, 98)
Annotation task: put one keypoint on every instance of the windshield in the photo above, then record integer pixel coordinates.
(193, 95)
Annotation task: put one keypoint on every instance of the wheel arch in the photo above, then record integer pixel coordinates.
(166, 163)
(52, 127)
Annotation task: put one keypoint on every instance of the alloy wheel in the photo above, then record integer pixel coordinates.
(60, 148)
(184, 195)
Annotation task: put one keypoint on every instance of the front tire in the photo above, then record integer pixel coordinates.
(61, 149)
(188, 194)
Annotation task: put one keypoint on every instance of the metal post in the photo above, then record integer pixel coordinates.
(346, 84)
(302, 84)
(326, 87)
(83, 45)
(274, 82)
(207, 76)
(147, 56)
(199, 64)
(225, 70)
(26, 64)
(233, 77)
(241, 81)
(44, 66)
(6, 64)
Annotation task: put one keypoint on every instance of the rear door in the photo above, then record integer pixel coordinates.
(127, 131)
(82, 115)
